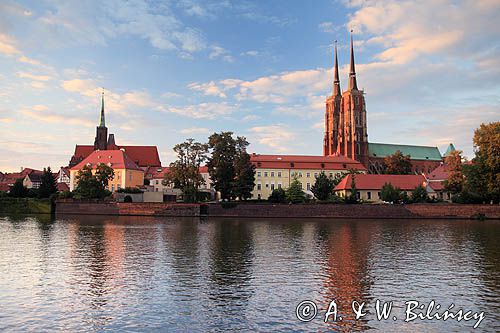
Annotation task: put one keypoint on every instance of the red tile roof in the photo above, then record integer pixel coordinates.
(305, 162)
(440, 173)
(375, 182)
(142, 155)
(4, 187)
(117, 158)
(155, 172)
(436, 186)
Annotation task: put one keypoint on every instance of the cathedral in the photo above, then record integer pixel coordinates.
(144, 156)
(346, 129)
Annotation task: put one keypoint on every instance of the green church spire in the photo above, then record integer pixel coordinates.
(102, 122)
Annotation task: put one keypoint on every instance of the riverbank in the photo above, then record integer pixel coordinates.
(25, 206)
(413, 211)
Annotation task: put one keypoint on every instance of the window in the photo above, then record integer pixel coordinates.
(157, 182)
(272, 186)
(265, 173)
(258, 173)
(308, 175)
(259, 187)
(369, 195)
(258, 196)
(279, 185)
(130, 175)
(331, 174)
(267, 185)
(300, 174)
(308, 186)
(118, 186)
(358, 195)
(112, 187)
(156, 189)
(279, 174)
(292, 174)
(272, 174)
(315, 175)
(301, 186)
(378, 194)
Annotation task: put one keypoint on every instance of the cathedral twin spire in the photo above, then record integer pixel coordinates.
(352, 73)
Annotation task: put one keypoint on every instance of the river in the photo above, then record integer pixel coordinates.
(142, 274)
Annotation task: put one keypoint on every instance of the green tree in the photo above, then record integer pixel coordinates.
(229, 166)
(278, 195)
(454, 183)
(48, 185)
(18, 190)
(487, 149)
(244, 170)
(389, 193)
(294, 193)
(93, 186)
(419, 194)
(184, 172)
(352, 197)
(398, 164)
(323, 187)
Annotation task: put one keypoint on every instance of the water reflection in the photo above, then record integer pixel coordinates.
(82, 273)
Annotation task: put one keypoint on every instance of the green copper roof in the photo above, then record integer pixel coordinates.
(416, 152)
(450, 148)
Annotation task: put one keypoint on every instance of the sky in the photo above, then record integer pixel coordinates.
(173, 70)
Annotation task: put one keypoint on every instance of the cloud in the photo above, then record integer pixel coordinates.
(44, 114)
(202, 110)
(7, 45)
(220, 53)
(251, 117)
(328, 27)
(195, 131)
(277, 137)
(251, 53)
(208, 89)
(33, 76)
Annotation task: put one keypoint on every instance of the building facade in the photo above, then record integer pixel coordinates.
(126, 172)
(346, 131)
(278, 171)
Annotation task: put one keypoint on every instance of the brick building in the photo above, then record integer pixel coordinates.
(346, 131)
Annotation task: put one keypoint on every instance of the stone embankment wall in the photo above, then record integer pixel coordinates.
(122, 208)
(357, 211)
(434, 211)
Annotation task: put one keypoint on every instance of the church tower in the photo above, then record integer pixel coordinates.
(349, 138)
(101, 137)
(332, 112)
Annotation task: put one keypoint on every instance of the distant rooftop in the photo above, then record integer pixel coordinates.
(416, 152)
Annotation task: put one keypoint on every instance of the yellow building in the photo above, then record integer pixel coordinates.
(127, 173)
(278, 171)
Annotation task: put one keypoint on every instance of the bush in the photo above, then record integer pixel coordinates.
(131, 190)
(18, 190)
(294, 193)
(127, 198)
(277, 196)
(389, 193)
(419, 194)
(66, 195)
(466, 197)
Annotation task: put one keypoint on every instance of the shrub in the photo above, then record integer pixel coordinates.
(419, 194)
(277, 196)
(294, 193)
(131, 190)
(127, 198)
(389, 193)
(66, 195)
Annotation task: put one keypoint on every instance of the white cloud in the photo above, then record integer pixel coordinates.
(277, 137)
(7, 45)
(219, 52)
(208, 89)
(33, 76)
(202, 110)
(328, 27)
(195, 131)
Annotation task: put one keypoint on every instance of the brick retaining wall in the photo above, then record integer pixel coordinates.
(122, 208)
(357, 211)
(280, 210)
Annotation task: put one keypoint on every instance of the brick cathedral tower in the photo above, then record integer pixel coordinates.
(345, 118)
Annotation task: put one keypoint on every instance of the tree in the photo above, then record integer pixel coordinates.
(352, 197)
(93, 186)
(230, 168)
(487, 149)
(48, 185)
(323, 187)
(184, 173)
(455, 180)
(398, 164)
(278, 195)
(389, 193)
(294, 193)
(419, 194)
(18, 190)
(244, 170)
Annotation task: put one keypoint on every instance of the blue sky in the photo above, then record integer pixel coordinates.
(173, 70)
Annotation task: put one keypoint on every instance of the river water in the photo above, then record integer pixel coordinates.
(141, 274)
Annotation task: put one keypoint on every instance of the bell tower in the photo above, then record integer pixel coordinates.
(332, 112)
(101, 137)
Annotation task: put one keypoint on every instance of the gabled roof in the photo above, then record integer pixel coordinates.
(155, 172)
(116, 159)
(305, 162)
(375, 182)
(416, 152)
(440, 173)
(142, 155)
